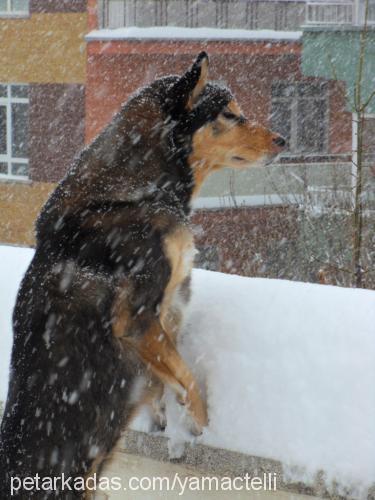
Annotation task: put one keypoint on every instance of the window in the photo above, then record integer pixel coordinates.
(369, 134)
(14, 124)
(299, 113)
(18, 7)
(207, 258)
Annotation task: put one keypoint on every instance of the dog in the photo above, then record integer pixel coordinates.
(99, 309)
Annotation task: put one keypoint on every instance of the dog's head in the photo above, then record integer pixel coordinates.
(221, 136)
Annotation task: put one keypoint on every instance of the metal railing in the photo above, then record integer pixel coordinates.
(339, 12)
(329, 13)
(241, 14)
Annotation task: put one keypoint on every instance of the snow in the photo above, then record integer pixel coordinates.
(13, 264)
(288, 370)
(177, 33)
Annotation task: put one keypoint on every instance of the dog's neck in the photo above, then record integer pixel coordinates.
(201, 169)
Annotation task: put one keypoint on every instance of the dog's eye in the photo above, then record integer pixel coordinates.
(229, 116)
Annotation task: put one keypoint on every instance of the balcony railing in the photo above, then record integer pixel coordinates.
(340, 12)
(241, 14)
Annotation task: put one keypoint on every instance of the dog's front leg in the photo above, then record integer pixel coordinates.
(157, 350)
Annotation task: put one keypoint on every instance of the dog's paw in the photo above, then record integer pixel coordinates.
(195, 428)
(196, 412)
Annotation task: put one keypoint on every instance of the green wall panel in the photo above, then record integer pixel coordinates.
(330, 51)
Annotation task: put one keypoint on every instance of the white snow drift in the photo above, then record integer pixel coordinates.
(288, 368)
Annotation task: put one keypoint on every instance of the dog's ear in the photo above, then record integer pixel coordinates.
(200, 77)
(185, 92)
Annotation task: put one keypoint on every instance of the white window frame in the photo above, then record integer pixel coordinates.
(7, 158)
(12, 12)
(327, 12)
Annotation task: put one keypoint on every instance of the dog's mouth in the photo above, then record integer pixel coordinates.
(238, 158)
(263, 161)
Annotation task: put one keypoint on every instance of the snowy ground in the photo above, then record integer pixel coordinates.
(288, 368)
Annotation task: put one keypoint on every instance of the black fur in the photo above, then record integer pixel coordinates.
(70, 378)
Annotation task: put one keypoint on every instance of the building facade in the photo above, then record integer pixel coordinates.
(42, 105)
(78, 61)
(233, 14)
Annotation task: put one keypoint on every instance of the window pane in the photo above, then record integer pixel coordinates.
(282, 89)
(3, 130)
(3, 5)
(3, 88)
(369, 135)
(311, 89)
(208, 258)
(3, 168)
(20, 169)
(20, 5)
(19, 91)
(281, 118)
(20, 126)
(311, 126)
(116, 14)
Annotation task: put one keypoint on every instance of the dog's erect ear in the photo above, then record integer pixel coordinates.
(185, 92)
(200, 70)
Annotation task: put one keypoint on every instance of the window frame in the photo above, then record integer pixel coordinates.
(294, 127)
(369, 116)
(8, 158)
(10, 12)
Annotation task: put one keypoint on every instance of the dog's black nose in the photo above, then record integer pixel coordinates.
(279, 141)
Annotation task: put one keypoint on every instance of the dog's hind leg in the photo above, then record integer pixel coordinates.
(157, 404)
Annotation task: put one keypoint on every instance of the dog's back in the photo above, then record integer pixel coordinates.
(70, 378)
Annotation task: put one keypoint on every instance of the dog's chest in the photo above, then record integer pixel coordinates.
(180, 250)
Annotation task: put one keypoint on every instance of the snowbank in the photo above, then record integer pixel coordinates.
(179, 33)
(13, 264)
(289, 369)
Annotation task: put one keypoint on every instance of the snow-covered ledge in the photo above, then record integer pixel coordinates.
(288, 371)
(177, 33)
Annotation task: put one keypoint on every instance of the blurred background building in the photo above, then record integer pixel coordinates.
(68, 65)
(42, 105)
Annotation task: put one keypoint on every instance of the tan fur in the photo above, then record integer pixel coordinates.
(120, 312)
(157, 349)
(151, 394)
(217, 145)
(179, 249)
(159, 353)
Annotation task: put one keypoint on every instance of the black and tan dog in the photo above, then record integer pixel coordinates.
(98, 310)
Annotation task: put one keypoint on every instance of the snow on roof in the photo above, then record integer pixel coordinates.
(178, 33)
(288, 369)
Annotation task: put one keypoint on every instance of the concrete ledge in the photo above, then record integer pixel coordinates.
(200, 459)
